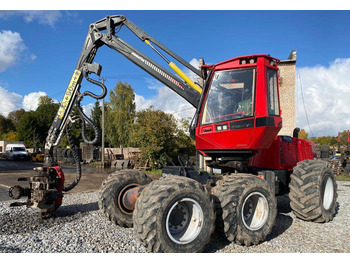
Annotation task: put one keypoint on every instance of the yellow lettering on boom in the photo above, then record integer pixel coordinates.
(69, 93)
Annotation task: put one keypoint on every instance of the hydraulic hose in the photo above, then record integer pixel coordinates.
(76, 159)
(103, 87)
(84, 119)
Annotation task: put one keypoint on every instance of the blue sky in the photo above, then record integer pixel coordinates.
(43, 48)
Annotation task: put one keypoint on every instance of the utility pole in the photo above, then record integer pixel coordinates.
(200, 162)
(103, 129)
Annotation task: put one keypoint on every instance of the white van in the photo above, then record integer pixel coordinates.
(16, 152)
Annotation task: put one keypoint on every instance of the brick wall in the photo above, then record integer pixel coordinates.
(287, 94)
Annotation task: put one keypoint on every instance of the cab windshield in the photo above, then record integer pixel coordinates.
(230, 96)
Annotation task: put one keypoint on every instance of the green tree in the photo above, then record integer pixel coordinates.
(96, 114)
(11, 123)
(331, 140)
(16, 115)
(120, 114)
(33, 126)
(45, 114)
(10, 136)
(28, 129)
(303, 134)
(6, 126)
(154, 132)
(324, 140)
(182, 137)
(343, 138)
(45, 100)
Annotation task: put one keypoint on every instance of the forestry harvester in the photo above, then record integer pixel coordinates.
(236, 123)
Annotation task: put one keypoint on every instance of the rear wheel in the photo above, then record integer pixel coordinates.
(112, 192)
(313, 191)
(174, 214)
(246, 208)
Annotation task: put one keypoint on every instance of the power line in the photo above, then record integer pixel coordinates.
(184, 109)
(302, 96)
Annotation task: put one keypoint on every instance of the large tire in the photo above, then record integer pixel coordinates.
(111, 193)
(246, 208)
(313, 191)
(174, 214)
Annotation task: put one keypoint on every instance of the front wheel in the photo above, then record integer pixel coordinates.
(174, 214)
(246, 208)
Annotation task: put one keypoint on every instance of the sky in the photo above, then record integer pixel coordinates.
(39, 51)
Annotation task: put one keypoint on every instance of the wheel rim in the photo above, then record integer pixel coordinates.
(184, 221)
(255, 211)
(328, 192)
(120, 199)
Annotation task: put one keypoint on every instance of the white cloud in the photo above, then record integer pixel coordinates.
(153, 84)
(326, 92)
(166, 99)
(11, 47)
(12, 50)
(142, 103)
(31, 101)
(87, 109)
(9, 101)
(195, 63)
(46, 17)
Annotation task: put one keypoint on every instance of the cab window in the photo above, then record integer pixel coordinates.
(273, 104)
(230, 96)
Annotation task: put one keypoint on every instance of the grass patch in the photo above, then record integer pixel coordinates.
(342, 177)
(154, 173)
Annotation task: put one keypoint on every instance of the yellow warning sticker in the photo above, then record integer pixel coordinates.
(69, 93)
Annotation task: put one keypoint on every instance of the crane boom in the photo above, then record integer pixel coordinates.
(101, 33)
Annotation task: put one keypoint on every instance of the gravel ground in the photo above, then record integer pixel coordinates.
(80, 228)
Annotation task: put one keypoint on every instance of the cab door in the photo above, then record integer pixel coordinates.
(227, 117)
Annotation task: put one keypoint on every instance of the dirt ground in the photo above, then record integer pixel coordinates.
(10, 171)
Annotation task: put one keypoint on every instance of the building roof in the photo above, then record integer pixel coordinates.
(292, 58)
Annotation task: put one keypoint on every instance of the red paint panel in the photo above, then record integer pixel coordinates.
(283, 154)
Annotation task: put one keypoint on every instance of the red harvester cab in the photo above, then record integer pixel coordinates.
(240, 109)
